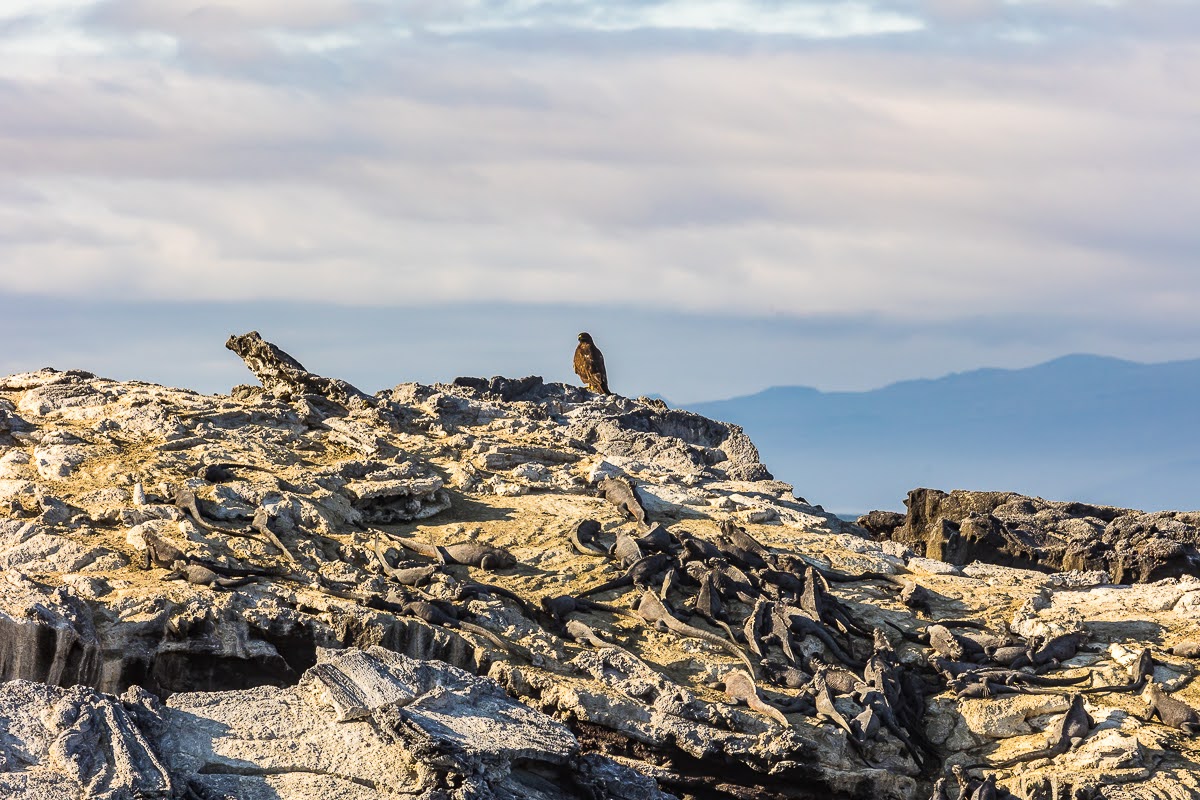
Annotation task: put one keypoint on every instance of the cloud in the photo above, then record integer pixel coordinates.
(820, 159)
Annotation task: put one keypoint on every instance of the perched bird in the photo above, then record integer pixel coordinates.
(589, 365)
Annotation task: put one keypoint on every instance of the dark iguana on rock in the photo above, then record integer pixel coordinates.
(657, 539)
(620, 492)
(408, 576)
(185, 500)
(1058, 649)
(583, 634)
(1173, 713)
(182, 566)
(562, 605)
(470, 554)
(583, 535)
(639, 574)
(625, 549)
(826, 710)
(1065, 734)
(1140, 671)
(652, 610)
(200, 575)
(825, 608)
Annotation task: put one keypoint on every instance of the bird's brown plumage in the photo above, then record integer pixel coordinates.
(589, 365)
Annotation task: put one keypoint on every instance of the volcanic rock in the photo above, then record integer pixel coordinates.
(1006, 528)
(342, 644)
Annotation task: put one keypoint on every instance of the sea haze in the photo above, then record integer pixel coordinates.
(1081, 427)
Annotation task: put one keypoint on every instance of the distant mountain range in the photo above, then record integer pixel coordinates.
(1081, 427)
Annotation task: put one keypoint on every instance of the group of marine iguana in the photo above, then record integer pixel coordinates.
(764, 603)
(767, 602)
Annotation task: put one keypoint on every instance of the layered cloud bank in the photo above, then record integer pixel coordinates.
(913, 160)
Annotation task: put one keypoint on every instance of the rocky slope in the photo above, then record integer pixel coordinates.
(505, 588)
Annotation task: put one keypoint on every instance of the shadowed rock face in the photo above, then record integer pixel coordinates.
(1031, 533)
(300, 591)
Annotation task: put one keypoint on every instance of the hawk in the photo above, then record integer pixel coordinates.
(589, 365)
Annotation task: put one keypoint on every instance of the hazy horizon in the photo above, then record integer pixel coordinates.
(684, 358)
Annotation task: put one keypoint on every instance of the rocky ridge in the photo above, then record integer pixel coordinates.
(507, 588)
(1127, 545)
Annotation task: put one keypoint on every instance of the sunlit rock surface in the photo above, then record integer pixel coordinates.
(304, 591)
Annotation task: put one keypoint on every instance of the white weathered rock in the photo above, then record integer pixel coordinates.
(253, 715)
(58, 461)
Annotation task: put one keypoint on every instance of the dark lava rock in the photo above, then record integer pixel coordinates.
(1031, 533)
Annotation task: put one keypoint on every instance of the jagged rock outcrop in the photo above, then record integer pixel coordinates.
(959, 527)
(362, 724)
(303, 591)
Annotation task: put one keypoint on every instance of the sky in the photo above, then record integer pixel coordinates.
(728, 194)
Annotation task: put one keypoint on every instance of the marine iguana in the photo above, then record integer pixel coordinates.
(446, 616)
(697, 549)
(224, 472)
(885, 714)
(1186, 649)
(1065, 734)
(625, 550)
(1172, 712)
(708, 600)
(185, 500)
(262, 524)
(201, 575)
(652, 610)
(409, 576)
(1058, 649)
(738, 536)
(944, 642)
(899, 704)
(735, 545)
(583, 634)
(779, 584)
(838, 679)
(620, 492)
(729, 581)
(672, 580)
(160, 552)
(470, 554)
(558, 607)
(866, 725)
(467, 589)
(740, 688)
(916, 597)
(966, 784)
(1012, 677)
(985, 790)
(1140, 671)
(779, 630)
(801, 625)
(639, 574)
(582, 536)
(658, 540)
(824, 607)
(982, 688)
(826, 709)
(779, 674)
(1007, 655)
